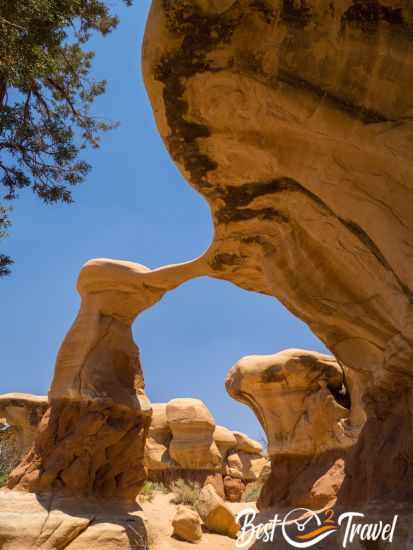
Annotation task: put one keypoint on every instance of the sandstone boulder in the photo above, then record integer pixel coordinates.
(192, 427)
(247, 445)
(216, 515)
(157, 443)
(225, 440)
(302, 402)
(324, 491)
(245, 466)
(299, 397)
(217, 482)
(187, 524)
(56, 522)
(23, 412)
(234, 489)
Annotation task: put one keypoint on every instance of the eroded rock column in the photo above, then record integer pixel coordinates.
(302, 402)
(92, 437)
(79, 481)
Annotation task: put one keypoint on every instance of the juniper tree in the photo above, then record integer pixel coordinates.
(46, 94)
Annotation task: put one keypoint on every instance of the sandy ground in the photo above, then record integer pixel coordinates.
(159, 514)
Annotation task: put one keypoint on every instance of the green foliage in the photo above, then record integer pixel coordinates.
(252, 491)
(186, 492)
(5, 261)
(150, 488)
(46, 94)
(3, 480)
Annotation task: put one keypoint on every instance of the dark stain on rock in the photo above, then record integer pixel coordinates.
(200, 34)
(256, 239)
(228, 215)
(368, 14)
(295, 13)
(262, 7)
(359, 112)
(261, 241)
(224, 260)
(273, 374)
(236, 196)
(309, 362)
(35, 415)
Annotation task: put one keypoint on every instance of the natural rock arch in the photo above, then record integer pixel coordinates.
(295, 124)
(90, 442)
(293, 120)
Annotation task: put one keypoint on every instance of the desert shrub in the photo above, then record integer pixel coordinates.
(148, 491)
(9, 454)
(150, 488)
(252, 491)
(186, 492)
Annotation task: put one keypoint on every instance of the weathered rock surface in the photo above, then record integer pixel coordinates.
(303, 405)
(294, 121)
(91, 439)
(245, 466)
(53, 523)
(215, 513)
(23, 412)
(224, 439)
(217, 482)
(247, 445)
(187, 524)
(158, 440)
(192, 427)
(299, 397)
(186, 444)
(234, 489)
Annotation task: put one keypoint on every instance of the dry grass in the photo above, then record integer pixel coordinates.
(3, 480)
(9, 454)
(252, 492)
(186, 492)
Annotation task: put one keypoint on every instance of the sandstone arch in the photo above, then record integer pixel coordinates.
(293, 120)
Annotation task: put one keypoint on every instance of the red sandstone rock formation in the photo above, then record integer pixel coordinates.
(293, 120)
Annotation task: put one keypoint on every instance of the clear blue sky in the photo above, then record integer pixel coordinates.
(134, 206)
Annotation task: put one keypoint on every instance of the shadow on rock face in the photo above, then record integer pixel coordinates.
(28, 520)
